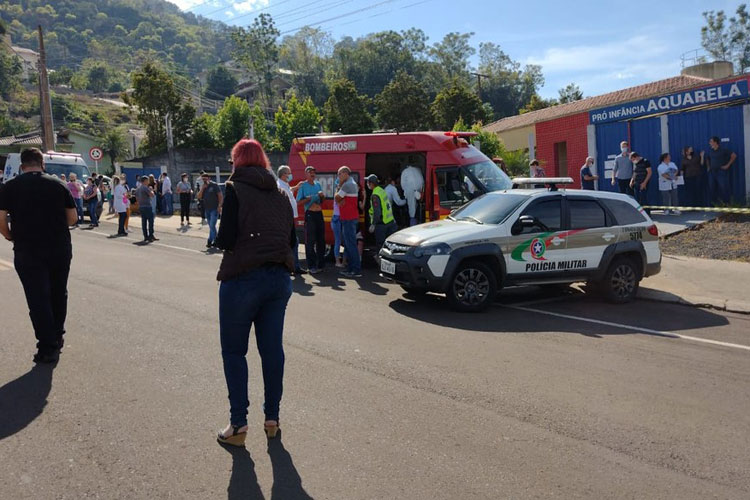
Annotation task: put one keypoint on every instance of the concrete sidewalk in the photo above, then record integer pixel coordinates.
(719, 284)
(673, 224)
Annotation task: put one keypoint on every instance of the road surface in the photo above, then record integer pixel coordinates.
(547, 395)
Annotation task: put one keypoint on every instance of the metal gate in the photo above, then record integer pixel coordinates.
(132, 174)
(645, 139)
(695, 128)
(608, 139)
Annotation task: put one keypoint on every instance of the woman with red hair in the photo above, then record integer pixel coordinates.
(255, 234)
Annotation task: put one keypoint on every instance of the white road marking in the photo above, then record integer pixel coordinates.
(634, 328)
(155, 244)
(545, 301)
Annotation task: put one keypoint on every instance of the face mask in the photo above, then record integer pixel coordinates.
(288, 179)
(624, 150)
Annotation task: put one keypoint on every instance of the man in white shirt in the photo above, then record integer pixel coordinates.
(284, 174)
(166, 192)
(391, 190)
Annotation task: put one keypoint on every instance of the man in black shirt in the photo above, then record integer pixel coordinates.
(36, 210)
(641, 176)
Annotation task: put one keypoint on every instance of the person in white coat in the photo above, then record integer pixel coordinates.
(412, 182)
(668, 173)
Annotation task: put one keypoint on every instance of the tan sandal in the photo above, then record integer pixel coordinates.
(235, 439)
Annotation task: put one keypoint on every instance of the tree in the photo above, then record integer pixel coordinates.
(570, 93)
(61, 76)
(728, 39)
(298, 118)
(260, 126)
(203, 130)
(155, 96)
(10, 74)
(256, 49)
(308, 54)
(536, 103)
(452, 55)
(507, 86)
(454, 103)
(98, 77)
(232, 122)
(346, 111)
(403, 104)
(220, 83)
(114, 144)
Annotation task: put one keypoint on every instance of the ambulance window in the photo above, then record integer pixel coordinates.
(624, 212)
(548, 213)
(452, 189)
(586, 214)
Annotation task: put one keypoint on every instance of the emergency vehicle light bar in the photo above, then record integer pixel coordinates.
(552, 182)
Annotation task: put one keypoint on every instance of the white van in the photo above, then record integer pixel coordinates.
(54, 164)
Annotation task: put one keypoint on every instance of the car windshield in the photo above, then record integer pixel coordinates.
(490, 175)
(81, 171)
(489, 208)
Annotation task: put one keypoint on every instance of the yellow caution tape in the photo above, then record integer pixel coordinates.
(723, 210)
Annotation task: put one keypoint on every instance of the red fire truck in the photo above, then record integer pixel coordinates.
(454, 170)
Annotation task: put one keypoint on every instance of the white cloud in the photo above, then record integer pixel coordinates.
(186, 4)
(249, 5)
(604, 67)
(229, 14)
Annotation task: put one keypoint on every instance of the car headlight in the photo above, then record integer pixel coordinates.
(438, 249)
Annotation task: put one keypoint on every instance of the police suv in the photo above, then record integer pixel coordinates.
(527, 237)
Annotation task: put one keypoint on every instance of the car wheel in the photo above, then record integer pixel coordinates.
(620, 283)
(472, 288)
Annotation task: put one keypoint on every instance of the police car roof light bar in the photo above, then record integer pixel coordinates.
(552, 182)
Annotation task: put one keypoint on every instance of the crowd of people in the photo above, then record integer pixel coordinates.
(706, 176)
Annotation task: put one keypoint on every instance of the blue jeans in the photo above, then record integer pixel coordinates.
(167, 204)
(258, 297)
(349, 230)
(79, 209)
(336, 228)
(93, 203)
(212, 216)
(719, 181)
(147, 222)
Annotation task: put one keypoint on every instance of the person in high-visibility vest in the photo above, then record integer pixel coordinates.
(382, 222)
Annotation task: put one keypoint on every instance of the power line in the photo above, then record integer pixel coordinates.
(340, 16)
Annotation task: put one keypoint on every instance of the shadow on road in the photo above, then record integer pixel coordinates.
(243, 484)
(657, 316)
(23, 399)
(287, 483)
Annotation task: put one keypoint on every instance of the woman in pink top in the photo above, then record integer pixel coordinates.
(76, 189)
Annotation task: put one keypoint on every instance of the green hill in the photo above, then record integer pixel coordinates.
(124, 33)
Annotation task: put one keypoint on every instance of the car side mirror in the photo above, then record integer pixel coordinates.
(522, 223)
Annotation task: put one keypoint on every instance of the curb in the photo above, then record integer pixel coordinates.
(165, 230)
(728, 305)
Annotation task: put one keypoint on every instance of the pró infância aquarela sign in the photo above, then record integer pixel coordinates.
(664, 104)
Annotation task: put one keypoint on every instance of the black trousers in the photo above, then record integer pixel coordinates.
(121, 216)
(184, 206)
(45, 284)
(315, 240)
(624, 186)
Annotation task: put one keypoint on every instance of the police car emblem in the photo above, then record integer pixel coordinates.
(537, 249)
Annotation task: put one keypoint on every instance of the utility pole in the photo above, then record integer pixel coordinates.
(45, 103)
(170, 144)
(250, 128)
(479, 83)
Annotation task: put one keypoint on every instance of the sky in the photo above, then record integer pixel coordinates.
(602, 46)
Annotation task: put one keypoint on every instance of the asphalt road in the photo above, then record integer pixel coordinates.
(547, 395)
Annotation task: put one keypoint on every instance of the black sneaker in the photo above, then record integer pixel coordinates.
(300, 271)
(153, 238)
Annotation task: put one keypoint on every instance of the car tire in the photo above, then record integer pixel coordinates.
(620, 282)
(472, 287)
